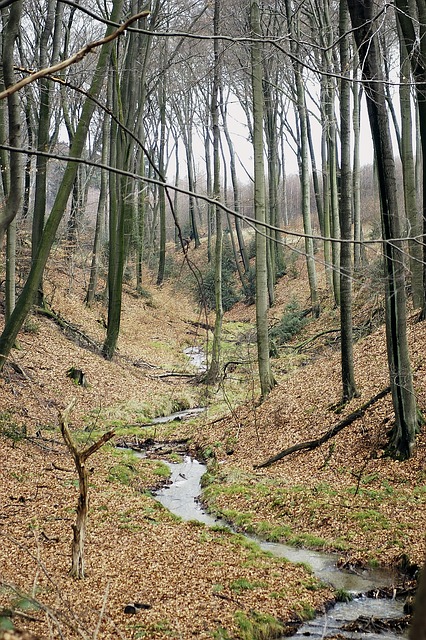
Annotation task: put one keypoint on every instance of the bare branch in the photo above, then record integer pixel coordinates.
(77, 57)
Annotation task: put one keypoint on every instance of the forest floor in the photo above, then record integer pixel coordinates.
(345, 496)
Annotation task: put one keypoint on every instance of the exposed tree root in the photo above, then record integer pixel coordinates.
(69, 329)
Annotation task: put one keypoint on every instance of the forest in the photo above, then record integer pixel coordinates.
(212, 222)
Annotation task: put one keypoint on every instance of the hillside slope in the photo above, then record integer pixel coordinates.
(345, 496)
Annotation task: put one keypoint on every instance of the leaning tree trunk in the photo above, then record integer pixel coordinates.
(402, 437)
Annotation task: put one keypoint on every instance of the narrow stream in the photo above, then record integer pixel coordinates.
(181, 498)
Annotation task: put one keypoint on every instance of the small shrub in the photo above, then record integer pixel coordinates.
(31, 326)
(11, 429)
(258, 626)
(205, 293)
(343, 596)
(250, 288)
(290, 324)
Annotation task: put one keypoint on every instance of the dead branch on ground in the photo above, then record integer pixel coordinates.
(313, 444)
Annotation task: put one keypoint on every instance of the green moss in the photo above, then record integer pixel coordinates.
(370, 519)
(11, 429)
(221, 634)
(258, 626)
(161, 469)
(342, 595)
(242, 584)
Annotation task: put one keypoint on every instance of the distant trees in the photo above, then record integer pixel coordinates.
(26, 298)
(290, 73)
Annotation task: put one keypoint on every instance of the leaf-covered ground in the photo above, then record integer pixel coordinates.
(345, 496)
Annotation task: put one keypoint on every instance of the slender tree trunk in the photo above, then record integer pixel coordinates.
(402, 437)
(409, 180)
(304, 161)
(14, 196)
(356, 183)
(100, 216)
(214, 370)
(235, 187)
(345, 213)
(267, 380)
(161, 166)
(209, 187)
(10, 297)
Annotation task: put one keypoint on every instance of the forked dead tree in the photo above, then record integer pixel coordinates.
(80, 457)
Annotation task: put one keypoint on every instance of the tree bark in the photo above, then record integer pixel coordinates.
(349, 389)
(403, 433)
(14, 196)
(267, 380)
(414, 43)
(214, 369)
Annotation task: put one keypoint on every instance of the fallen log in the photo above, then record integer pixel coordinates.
(313, 444)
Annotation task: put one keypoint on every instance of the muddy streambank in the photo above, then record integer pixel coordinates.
(371, 611)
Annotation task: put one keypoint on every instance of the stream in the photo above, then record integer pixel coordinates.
(181, 498)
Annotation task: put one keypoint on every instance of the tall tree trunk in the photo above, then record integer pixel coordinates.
(161, 167)
(13, 182)
(100, 215)
(267, 380)
(409, 179)
(11, 21)
(356, 182)
(209, 187)
(127, 103)
(345, 212)
(402, 438)
(214, 370)
(414, 44)
(304, 162)
(116, 234)
(235, 186)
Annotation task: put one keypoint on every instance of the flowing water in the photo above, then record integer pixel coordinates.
(181, 498)
(197, 357)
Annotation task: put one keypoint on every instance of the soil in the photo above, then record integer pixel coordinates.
(191, 581)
